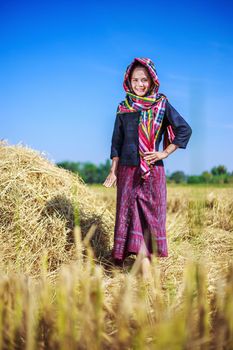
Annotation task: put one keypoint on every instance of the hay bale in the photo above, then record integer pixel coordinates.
(38, 207)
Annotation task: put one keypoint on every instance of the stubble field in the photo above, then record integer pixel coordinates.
(58, 289)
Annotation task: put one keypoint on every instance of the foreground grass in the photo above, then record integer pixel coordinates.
(90, 304)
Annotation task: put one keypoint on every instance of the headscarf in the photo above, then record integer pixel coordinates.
(152, 108)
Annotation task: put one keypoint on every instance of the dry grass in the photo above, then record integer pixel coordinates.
(199, 226)
(85, 308)
(38, 207)
(58, 293)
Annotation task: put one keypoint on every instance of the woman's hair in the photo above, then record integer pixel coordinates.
(136, 65)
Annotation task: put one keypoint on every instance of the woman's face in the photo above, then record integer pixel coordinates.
(140, 81)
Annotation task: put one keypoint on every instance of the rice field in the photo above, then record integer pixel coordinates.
(59, 290)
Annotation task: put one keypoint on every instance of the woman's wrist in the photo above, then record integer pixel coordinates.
(166, 153)
(114, 165)
(112, 171)
(170, 149)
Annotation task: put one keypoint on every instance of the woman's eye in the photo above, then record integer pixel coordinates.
(143, 80)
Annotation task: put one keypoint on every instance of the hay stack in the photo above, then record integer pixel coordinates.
(38, 209)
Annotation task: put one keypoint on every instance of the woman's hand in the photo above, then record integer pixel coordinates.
(110, 180)
(152, 157)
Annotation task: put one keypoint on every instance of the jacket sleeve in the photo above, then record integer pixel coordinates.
(181, 128)
(117, 138)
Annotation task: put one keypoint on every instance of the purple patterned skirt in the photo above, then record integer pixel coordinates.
(140, 213)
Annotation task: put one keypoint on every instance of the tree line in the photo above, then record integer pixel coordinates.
(96, 174)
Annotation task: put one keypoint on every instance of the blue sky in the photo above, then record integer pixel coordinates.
(62, 65)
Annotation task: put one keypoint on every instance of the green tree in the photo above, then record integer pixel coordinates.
(72, 166)
(103, 171)
(206, 177)
(219, 170)
(92, 173)
(194, 179)
(178, 177)
(89, 173)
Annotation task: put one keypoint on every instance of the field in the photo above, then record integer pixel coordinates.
(58, 289)
(199, 227)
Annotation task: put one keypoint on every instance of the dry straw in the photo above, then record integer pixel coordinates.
(49, 217)
(199, 225)
(82, 310)
(40, 204)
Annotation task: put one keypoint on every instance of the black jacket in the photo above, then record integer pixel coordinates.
(125, 143)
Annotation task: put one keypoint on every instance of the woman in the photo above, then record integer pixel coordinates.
(137, 167)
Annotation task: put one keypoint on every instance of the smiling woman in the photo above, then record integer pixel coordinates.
(140, 80)
(137, 167)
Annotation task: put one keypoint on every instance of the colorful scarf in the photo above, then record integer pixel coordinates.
(152, 107)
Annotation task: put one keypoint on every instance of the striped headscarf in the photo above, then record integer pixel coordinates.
(152, 107)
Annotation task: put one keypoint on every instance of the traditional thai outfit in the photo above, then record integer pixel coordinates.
(141, 187)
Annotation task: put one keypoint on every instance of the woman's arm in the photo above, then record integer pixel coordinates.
(152, 157)
(182, 131)
(112, 177)
(116, 144)
(114, 165)
(170, 149)
(181, 128)
(117, 138)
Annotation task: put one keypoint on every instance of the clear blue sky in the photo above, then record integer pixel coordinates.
(62, 65)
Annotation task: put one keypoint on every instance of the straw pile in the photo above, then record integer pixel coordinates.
(40, 204)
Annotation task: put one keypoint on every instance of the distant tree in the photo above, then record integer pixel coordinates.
(92, 173)
(178, 177)
(219, 170)
(89, 173)
(194, 179)
(206, 177)
(72, 166)
(103, 171)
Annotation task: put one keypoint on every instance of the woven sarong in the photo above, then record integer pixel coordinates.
(140, 213)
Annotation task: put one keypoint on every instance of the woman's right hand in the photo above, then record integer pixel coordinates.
(110, 180)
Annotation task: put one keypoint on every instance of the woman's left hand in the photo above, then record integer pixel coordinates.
(152, 157)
